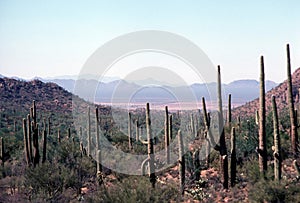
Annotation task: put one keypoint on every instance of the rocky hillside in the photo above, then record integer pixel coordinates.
(18, 95)
(280, 92)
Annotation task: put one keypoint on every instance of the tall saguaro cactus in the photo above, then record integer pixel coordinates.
(167, 141)
(181, 161)
(129, 132)
(170, 127)
(35, 140)
(89, 132)
(29, 138)
(97, 148)
(26, 148)
(223, 149)
(44, 143)
(2, 151)
(137, 130)
(262, 151)
(293, 119)
(151, 156)
(229, 111)
(277, 147)
(233, 158)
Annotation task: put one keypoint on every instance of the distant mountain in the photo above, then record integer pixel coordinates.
(280, 92)
(90, 89)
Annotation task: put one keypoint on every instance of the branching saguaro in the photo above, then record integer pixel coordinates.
(35, 129)
(293, 119)
(223, 149)
(151, 156)
(277, 148)
(262, 151)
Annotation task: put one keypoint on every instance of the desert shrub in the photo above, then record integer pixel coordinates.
(273, 191)
(135, 189)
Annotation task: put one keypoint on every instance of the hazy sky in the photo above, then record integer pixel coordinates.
(51, 38)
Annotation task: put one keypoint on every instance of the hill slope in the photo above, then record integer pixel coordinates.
(280, 92)
(18, 95)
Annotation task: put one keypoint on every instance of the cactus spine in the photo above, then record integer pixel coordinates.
(167, 135)
(89, 132)
(223, 149)
(129, 131)
(262, 151)
(277, 150)
(181, 161)
(293, 119)
(233, 158)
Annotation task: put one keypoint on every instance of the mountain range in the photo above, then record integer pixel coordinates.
(118, 90)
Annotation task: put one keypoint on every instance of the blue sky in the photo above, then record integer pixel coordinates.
(51, 38)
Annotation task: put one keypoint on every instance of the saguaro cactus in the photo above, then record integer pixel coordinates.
(167, 149)
(277, 148)
(97, 129)
(29, 138)
(223, 149)
(99, 166)
(229, 111)
(44, 143)
(262, 151)
(293, 119)
(192, 125)
(196, 164)
(58, 136)
(233, 158)
(97, 148)
(89, 132)
(181, 161)
(151, 156)
(2, 151)
(26, 147)
(49, 126)
(137, 130)
(170, 127)
(35, 129)
(129, 132)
